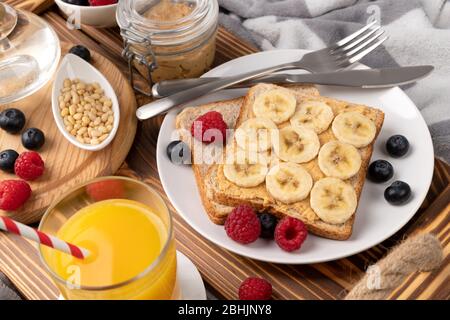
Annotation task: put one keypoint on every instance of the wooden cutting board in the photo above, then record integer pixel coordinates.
(65, 164)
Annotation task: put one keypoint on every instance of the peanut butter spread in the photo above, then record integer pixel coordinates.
(187, 60)
(167, 10)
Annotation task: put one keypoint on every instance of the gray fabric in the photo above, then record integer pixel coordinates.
(7, 291)
(419, 33)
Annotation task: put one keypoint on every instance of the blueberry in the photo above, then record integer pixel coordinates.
(397, 193)
(268, 224)
(12, 120)
(77, 2)
(33, 138)
(7, 160)
(82, 52)
(380, 171)
(397, 146)
(179, 152)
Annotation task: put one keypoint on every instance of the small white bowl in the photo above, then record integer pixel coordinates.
(73, 67)
(98, 16)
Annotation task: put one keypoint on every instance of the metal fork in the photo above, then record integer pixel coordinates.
(340, 55)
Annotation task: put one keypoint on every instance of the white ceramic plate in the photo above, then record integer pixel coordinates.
(98, 16)
(73, 67)
(376, 219)
(189, 279)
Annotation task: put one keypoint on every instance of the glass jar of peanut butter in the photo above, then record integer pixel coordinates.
(168, 39)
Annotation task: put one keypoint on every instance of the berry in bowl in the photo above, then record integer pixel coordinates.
(96, 13)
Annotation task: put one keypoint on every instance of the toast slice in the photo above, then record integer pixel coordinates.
(226, 192)
(230, 110)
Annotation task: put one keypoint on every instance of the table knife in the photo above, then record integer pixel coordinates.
(370, 78)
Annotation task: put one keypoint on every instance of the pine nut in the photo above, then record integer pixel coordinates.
(108, 103)
(86, 111)
(67, 97)
(67, 83)
(95, 133)
(104, 117)
(80, 139)
(64, 112)
(85, 120)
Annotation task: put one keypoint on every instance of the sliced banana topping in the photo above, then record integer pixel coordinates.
(288, 182)
(333, 200)
(296, 144)
(255, 134)
(246, 170)
(339, 160)
(277, 105)
(313, 114)
(354, 128)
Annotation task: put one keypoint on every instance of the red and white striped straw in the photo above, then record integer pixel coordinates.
(10, 225)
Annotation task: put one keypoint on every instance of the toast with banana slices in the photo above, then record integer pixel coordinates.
(230, 110)
(312, 165)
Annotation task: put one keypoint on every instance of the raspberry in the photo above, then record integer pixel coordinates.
(29, 166)
(95, 3)
(290, 233)
(13, 194)
(106, 189)
(209, 127)
(255, 289)
(242, 225)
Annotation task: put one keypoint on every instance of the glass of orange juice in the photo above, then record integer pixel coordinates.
(127, 229)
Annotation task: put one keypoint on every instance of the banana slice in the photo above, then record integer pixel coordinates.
(277, 105)
(315, 115)
(255, 134)
(354, 128)
(288, 182)
(245, 169)
(339, 160)
(333, 200)
(296, 144)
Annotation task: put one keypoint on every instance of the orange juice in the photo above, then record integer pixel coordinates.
(125, 239)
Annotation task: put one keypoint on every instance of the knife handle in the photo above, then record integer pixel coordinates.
(166, 88)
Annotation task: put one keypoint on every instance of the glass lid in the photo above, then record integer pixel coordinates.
(29, 53)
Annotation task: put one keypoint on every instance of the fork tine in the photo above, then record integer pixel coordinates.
(364, 44)
(360, 39)
(354, 35)
(366, 51)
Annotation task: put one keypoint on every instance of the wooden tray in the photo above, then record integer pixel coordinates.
(65, 164)
(221, 270)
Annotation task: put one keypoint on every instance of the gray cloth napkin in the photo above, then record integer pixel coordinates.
(7, 290)
(419, 32)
